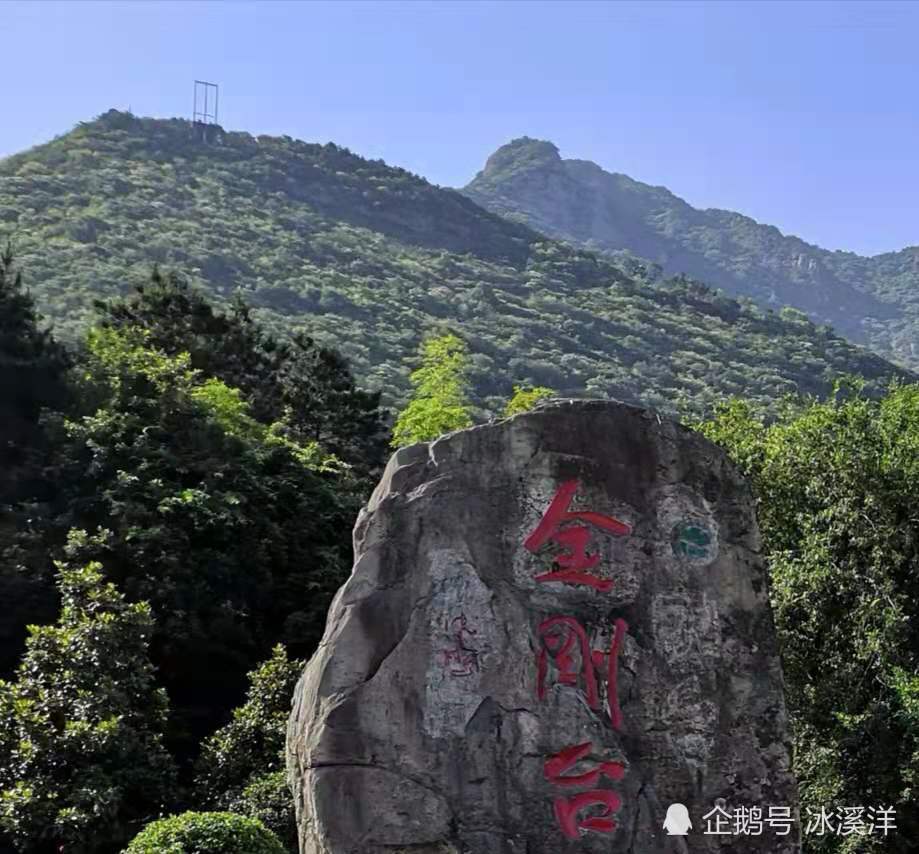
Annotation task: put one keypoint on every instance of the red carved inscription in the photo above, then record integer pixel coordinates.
(565, 655)
(565, 644)
(572, 531)
(567, 809)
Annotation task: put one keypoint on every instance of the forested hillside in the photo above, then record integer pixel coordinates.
(874, 301)
(368, 257)
(181, 474)
(177, 498)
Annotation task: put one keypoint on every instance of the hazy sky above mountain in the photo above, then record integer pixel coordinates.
(801, 115)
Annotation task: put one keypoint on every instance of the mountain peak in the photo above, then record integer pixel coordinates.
(523, 153)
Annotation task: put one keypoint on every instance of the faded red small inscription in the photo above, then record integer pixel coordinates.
(567, 809)
(461, 659)
(572, 531)
(565, 644)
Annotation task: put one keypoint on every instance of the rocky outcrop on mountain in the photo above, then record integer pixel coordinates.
(555, 638)
(873, 301)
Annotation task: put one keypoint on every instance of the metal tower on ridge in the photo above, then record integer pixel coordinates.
(207, 97)
(204, 115)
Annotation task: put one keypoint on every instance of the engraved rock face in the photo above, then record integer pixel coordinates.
(556, 627)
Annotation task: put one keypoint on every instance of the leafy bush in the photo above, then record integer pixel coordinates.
(268, 798)
(206, 833)
(524, 399)
(231, 530)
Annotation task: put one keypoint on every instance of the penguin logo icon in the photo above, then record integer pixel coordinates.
(677, 822)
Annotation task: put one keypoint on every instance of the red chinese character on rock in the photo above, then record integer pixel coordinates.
(567, 809)
(565, 641)
(573, 538)
(555, 767)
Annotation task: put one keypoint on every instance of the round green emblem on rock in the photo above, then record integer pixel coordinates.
(693, 541)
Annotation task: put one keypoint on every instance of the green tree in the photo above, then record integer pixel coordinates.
(525, 398)
(32, 378)
(439, 402)
(309, 387)
(242, 766)
(33, 370)
(206, 833)
(837, 486)
(324, 405)
(234, 532)
(82, 761)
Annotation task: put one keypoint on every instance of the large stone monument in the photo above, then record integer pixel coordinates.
(556, 638)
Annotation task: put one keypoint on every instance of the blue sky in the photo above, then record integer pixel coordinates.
(802, 115)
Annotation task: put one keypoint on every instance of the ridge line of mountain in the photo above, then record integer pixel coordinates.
(872, 299)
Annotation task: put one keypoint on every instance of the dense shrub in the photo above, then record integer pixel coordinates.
(206, 833)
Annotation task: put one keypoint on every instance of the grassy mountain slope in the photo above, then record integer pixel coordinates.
(874, 301)
(368, 258)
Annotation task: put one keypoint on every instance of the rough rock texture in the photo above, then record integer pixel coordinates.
(450, 675)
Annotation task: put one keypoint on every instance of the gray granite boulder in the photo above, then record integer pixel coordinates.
(556, 638)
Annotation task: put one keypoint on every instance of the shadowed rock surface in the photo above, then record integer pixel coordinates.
(450, 674)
